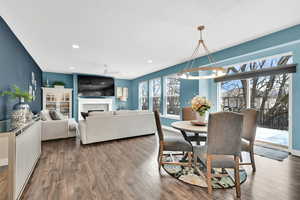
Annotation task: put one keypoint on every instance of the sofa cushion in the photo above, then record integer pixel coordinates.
(99, 114)
(131, 112)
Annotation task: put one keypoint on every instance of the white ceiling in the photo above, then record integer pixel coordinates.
(126, 34)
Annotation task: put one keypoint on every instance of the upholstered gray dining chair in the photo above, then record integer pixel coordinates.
(171, 143)
(188, 115)
(223, 146)
(248, 135)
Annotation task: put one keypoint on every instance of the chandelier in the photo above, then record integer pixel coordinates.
(212, 71)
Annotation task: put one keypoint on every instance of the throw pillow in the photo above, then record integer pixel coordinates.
(45, 115)
(84, 115)
(54, 115)
(95, 111)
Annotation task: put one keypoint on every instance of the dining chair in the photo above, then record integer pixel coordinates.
(248, 135)
(171, 143)
(223, 146)
(188, 115)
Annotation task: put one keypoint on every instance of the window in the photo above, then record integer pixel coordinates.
(143, 96)
(172, 96)
(155, 94)
(267, 94)
(233, 95)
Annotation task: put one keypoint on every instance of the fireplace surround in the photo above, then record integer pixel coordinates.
(87, 104)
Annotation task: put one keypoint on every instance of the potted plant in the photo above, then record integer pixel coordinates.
(59, 84)
(17, 93)
(200, 105)
(21, 113)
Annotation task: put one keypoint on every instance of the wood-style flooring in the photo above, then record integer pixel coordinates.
(3, 183)
(127, 170)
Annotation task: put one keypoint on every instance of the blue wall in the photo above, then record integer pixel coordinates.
(52, 77)
(287, 40)
(121, 104)
(16, 66)
(71, 82)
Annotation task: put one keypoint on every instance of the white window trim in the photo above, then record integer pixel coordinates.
(139, 94)
(151, 92)
(164, 114)
(172, 116)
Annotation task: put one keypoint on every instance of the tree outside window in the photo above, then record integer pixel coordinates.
(155, 93)
(172, 89)
(268, 94)
(143, 96)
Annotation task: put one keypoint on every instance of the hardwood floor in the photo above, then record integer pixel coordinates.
(3, 183)
(127, 169)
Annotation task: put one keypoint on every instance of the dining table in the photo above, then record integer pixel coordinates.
(187, 126)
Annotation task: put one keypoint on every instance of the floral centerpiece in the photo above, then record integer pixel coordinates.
(201, 105)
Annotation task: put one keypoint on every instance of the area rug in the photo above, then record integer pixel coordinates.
(271, 153)
(195, 175)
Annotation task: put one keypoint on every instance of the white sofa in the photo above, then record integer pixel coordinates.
(105, 126)
(57, 129)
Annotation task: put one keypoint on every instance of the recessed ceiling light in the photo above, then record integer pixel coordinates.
(75, 46)
(71, 68)
(149, 61)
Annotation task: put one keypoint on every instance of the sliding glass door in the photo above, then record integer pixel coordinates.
(268, 94)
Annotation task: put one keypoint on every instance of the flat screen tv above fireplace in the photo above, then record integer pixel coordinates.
(95, 86)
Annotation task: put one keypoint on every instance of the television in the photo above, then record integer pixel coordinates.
(95, 86)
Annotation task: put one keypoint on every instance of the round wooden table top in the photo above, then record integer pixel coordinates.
(189, 127)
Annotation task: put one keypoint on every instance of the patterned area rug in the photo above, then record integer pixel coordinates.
(195, 175)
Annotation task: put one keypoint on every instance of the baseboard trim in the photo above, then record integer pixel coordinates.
(3, 162)
(295, 152)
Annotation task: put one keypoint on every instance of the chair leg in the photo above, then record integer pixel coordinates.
(208, 168)
(158, 155)
(237, 176)
(241, 157)
(159, 158)
(195, 158)
(190, 159)
(252, 160)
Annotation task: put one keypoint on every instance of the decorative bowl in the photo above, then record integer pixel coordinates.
(198, 123)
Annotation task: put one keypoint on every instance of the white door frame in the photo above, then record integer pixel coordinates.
(290, 131)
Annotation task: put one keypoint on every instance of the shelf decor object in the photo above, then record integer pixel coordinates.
(209, 71)
(59, 84)
(119, 92)
(21, 113)
(122, 93)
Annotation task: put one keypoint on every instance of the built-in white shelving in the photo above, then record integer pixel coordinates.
(59, 99)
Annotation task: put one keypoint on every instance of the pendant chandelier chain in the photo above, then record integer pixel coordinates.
(217, 71)
(196, 52)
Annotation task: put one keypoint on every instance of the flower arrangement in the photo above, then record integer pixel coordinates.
(200, 105)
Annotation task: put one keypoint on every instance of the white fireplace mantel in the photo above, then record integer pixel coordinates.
(91, 101)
